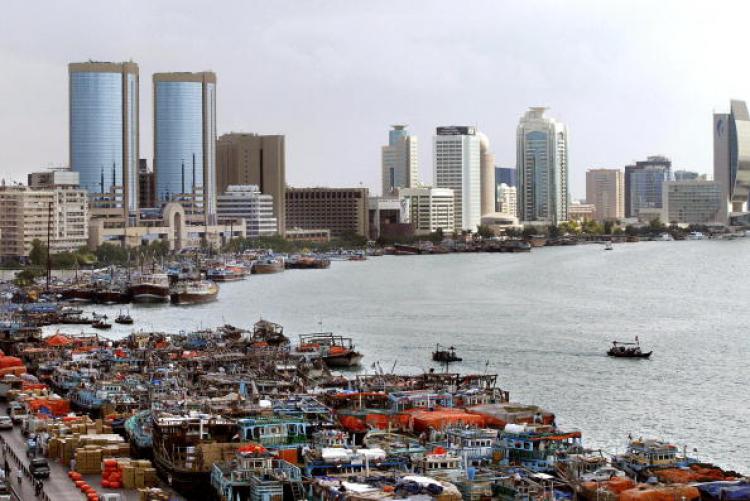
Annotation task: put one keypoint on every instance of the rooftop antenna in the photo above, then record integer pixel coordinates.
(193, 173)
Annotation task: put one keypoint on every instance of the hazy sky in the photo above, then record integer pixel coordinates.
(629, 78)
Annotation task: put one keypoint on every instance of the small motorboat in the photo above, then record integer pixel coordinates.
(445, 355)
(620, 349)
(608, 245)
(124, 319)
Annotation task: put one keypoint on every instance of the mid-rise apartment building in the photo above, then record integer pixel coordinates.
(60, 214)
(428, 209)
(248, 203)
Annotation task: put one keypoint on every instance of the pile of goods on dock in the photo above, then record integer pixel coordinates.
(137, 473)
(152, 494)
(89, 450)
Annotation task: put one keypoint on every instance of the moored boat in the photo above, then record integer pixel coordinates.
(225, 274)
(151, 289)
(269, 265)
(194, 292)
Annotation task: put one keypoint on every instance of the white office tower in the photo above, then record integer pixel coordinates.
(507, 202)
(487, 176)
(457, 163)
(542, 168)
(400, 161)
(248, 203)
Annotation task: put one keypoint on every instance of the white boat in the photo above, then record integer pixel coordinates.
(695, 235)
(608, 246)
(665, 237)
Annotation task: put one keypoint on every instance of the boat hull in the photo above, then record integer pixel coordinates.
(639, 355)
(349, 359)
(191, 484)
(150, 293)
(265, 269)
(187, 298)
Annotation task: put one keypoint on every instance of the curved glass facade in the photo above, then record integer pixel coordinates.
(178, 125)
(96, 129)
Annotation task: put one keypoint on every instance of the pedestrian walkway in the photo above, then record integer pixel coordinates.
(57, 487)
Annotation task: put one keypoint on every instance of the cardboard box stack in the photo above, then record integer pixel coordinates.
(138, 473)
(90, 450)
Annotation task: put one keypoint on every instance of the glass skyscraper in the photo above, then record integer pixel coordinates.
(644, 183)
(103, 120)
(185, 140)
(542, 168)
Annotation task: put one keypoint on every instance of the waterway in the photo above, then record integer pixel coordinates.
(542, 321)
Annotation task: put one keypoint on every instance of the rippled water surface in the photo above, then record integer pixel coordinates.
(542, 321)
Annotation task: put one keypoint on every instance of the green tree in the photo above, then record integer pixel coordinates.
(38, 253)
(655, 225)
(107, 254)
(553, 231)
(608, 227)
(484, 231)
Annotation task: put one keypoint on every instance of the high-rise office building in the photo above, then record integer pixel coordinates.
(693, 202)
(253, 159)
(103, 135)
(605, 189)
(146, 185)
(457, 165)
(688, 175)
(505, 175)
(400, 161)
(643, 184)
(732, 156)
(542, 168)
(487, 175)
(185, 141)
(341, 210)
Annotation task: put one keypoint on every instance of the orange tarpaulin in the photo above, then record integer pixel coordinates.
(6, 362)
(645, 493)
(420, 419)
(252, 448)
(57, 407)
(58, 340)
(696, 473)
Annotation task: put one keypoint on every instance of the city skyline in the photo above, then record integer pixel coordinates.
(333, 45)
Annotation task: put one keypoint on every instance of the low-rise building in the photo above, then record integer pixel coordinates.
(169, 223)
(247, 202)
(59, 214)
(581, 212)
(386, 217)
(341, 210)
(428, 209)
(308, 235)
(692, 202)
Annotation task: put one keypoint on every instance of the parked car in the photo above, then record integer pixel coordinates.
(6, 423)
(602, 474)
(17, 412)
(39, 468)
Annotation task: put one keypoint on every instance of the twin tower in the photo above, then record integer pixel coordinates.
(104, 135)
